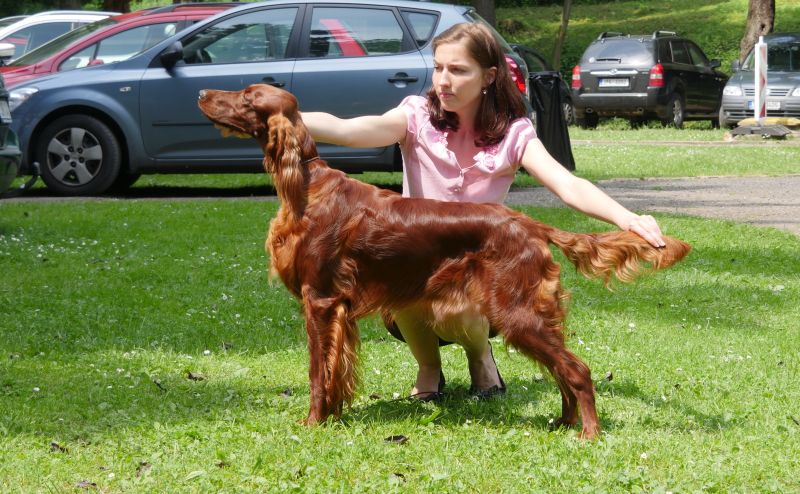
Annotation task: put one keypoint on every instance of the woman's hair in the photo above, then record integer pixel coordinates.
(502, 102)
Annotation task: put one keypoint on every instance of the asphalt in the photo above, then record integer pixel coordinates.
(760, 201)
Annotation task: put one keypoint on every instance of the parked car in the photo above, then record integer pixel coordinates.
(539, 66)
(783, 82)
(109, 40)
(104, 125)
(35, 30)
(659, 76)
(10, 155)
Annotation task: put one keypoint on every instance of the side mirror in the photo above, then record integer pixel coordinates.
(172, 55)
(6, 52)
(736, 66)
(714, 63)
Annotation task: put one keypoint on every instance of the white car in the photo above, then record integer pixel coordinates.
(34, 30)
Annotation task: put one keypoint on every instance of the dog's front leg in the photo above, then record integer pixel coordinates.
(332, 346)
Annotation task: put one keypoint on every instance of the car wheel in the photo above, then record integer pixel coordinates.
(723, 123)
(569, 113)
(589, 121)
(78, 155)
(676, 111)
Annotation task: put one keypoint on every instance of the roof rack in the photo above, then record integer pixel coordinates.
(662, 34)
(192, 5)
(609, 34)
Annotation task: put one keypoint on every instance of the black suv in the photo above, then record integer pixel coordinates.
(660, 76)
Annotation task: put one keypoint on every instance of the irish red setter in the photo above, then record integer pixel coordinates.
(347, 249)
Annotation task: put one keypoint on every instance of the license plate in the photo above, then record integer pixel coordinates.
(615, 82)
(5, 112)
(771, 105)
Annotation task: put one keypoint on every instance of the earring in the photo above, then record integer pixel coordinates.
(484, 91)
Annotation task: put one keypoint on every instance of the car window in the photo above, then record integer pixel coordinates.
(781, 57)
(698, 57)
(626, 51)
(422, 25)
(354, 32)
(679, 53)
(534, 63)
(57, 45)
(252, 37)
(120, 46)
(28, 38)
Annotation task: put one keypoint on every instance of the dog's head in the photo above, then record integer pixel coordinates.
(266, 113)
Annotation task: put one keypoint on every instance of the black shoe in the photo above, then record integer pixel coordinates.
(483, 394)
(431, 396)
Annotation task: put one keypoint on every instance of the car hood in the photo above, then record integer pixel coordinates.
(745, 78)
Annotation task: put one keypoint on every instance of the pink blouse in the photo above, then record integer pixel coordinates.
(431, 169)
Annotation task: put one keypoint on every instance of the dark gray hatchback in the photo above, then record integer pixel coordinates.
(659, 76)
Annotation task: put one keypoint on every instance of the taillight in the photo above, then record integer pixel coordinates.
(517, 76)
(656, 76)
(576, 77)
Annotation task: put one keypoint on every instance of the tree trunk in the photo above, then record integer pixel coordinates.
(562, 34)
(485, 9)
(121, 6)
(760, 21)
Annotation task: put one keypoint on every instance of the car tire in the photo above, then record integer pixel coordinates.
(723, 122)
(569, 112)
(78, 155)
(589, 121)
(676, 111)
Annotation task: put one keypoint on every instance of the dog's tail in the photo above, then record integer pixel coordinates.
(621, 254)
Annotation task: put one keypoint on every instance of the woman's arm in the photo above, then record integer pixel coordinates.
(584, 196)
(359, 132)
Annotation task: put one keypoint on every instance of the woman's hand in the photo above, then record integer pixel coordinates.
(646, 227)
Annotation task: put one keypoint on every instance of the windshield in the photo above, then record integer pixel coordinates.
(782, 56)
(58, 44)
(628, 51)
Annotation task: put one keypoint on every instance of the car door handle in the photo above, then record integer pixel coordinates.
(272, 82)
(403, 77)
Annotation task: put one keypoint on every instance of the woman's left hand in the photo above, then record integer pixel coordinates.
(646, 227)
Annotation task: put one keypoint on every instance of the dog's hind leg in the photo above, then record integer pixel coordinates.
(333, 349)
(545, 344)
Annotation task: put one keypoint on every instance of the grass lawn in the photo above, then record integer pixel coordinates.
(143, 349)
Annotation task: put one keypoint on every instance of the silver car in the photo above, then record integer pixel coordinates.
(783, 82)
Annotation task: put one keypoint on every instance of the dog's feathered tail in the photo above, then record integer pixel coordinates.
(620, 254)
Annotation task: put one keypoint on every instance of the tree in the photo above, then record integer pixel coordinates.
(760, 21)
(117, 5)
(562, 33)
(485, 9)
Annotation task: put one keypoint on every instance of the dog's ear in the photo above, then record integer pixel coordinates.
(267, 101)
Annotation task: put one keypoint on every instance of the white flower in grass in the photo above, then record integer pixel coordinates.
(36, 389)
(643, 456)
(206, 352)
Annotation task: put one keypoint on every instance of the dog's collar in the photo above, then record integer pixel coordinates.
(309, 160)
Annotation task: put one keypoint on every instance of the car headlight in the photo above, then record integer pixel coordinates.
(18, 96)
(796, 91)
(732, 91)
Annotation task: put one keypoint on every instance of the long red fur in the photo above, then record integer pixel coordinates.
(347, 249)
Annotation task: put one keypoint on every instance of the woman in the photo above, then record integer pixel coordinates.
(465, 142)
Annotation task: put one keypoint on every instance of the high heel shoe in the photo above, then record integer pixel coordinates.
(483, 394)
(431, 396)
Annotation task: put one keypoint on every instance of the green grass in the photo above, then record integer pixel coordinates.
(109, 305)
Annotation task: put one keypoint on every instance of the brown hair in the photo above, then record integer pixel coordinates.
(502, 102)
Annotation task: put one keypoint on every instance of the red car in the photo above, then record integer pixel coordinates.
(110, 40)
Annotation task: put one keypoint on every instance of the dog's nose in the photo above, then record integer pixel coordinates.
(202, 94)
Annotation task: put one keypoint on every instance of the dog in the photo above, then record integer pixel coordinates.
(347, 249)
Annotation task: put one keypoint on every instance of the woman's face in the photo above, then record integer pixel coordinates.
(458, 78)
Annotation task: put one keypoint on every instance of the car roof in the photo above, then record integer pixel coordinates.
(55, 15)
